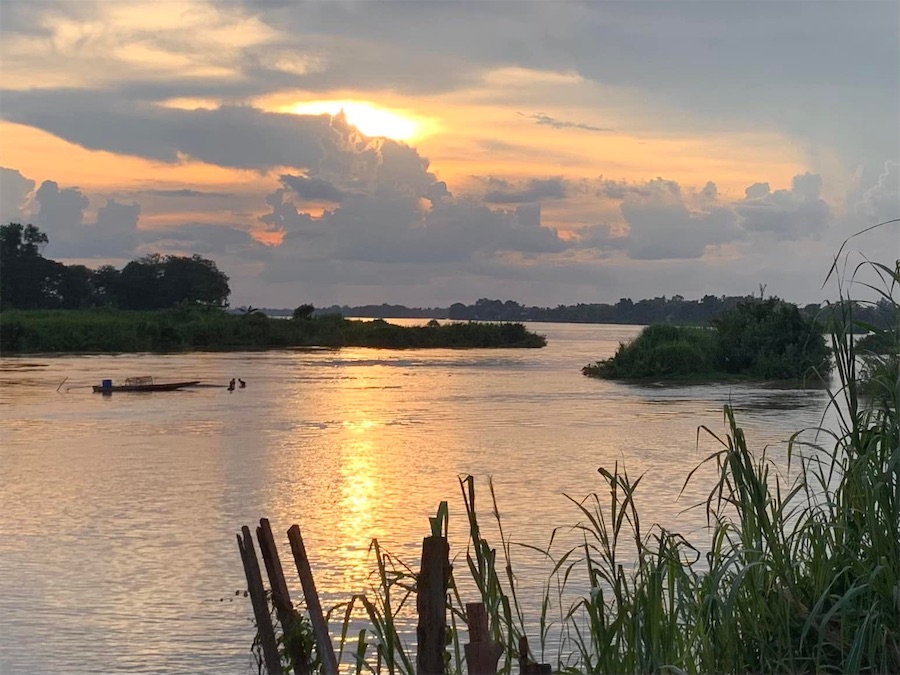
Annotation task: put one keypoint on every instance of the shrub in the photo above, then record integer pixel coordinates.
(760, 339)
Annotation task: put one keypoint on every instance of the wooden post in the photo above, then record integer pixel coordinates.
(526, 665)
(281, 596)
(320, 627)
(258, 599)
(481, 653)
(431, 603)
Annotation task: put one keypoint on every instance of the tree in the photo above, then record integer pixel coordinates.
(770, 339)
(140, 286)
(303, 312)
(195, 280)
(18, 241)
(106, 285)
(28, 280)
(155, 282)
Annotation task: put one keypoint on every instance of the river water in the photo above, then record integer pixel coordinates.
(118, 513)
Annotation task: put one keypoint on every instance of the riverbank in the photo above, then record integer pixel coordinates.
(188, 329)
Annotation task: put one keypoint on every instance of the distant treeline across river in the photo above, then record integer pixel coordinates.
(675, 310)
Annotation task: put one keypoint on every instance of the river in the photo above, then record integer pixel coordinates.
(118, 513)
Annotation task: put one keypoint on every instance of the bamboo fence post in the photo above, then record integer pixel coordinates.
(281, 596)
(320, 627)
(481, 653)
(431, 604)
(258, 599)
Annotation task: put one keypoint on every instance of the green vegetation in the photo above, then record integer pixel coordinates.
(799, 576)
(880, 342)
(190, 327)
(757, 339)
(662, 351)
(30, 281)
(173, 303)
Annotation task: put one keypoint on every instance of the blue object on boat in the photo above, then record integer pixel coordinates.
(107, 384)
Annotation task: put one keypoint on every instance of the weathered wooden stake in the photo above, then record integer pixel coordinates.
(481, 653)
(431, 603)
(313, 606)
(281, 596)
(526, 665)
(258, 599)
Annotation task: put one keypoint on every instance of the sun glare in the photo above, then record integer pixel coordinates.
(370, 119)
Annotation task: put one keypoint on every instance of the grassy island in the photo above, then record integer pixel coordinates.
(758, 340)
(197, 328)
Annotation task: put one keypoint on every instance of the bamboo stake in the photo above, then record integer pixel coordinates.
(281, 596)
(320, 627)
(258, 599)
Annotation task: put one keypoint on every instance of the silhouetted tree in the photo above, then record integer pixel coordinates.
(27, 279)
(154, 282)
(303, 312)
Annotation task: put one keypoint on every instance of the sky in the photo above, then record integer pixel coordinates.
(427, 152)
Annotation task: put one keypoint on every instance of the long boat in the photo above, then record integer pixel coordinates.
(133, 384)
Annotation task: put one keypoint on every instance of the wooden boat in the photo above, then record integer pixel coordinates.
(133, 384)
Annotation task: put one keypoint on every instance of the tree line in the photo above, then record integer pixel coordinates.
(674, 310)
(28, 280)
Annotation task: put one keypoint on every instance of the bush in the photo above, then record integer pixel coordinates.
(769, 339)
(759, 339)
(660, 351)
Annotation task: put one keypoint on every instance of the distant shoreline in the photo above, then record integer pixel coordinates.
(188, 329)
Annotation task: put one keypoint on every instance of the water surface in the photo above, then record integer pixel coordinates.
(118, 513)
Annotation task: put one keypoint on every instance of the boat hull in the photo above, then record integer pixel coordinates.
(168, 386)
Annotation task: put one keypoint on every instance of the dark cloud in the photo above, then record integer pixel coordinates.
(695, 66)
(204, 238)
(313, 189)
(547, 121)
(533, 190)
(230, 136)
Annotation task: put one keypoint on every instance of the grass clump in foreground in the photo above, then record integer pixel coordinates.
(757, 339)
(799, 577)
(199, 328)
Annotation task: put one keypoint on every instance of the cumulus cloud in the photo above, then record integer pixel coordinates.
(15, 191)
(881, 202)
(61, 215)
(665, 221)
(661, 226)
(398, 216)
(792, 213)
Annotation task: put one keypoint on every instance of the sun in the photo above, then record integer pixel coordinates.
(370, 119)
